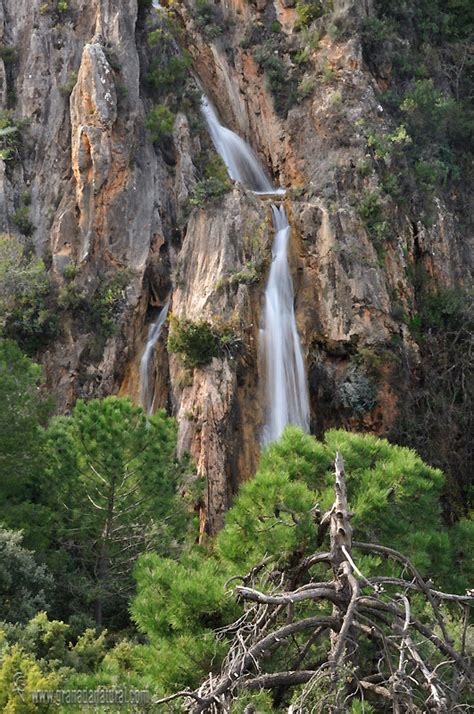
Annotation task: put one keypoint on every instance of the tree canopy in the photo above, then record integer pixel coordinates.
(113, 475)
(184, 605)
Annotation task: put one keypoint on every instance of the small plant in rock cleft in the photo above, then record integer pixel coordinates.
(213, 185)
(199, 342)
(159, 122)
(371, 211)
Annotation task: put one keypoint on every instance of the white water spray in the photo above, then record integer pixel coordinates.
(154, 332)
(241, 162)
(286, 389)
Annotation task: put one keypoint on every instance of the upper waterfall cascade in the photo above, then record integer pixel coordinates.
(241, 162)
(153, 335)
(286, 389)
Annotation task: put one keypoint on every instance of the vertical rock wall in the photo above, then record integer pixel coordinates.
(104, 199)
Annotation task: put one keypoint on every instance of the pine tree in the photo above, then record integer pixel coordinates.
(113, 476)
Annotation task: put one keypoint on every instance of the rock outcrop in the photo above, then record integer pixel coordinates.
(107, 201)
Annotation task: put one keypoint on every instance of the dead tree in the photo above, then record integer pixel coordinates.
(350, 637)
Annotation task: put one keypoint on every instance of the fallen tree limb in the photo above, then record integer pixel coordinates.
(401, 668)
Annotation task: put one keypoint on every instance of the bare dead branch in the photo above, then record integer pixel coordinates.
(314, 593)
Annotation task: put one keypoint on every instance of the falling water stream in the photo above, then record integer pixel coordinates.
(147, 397)
(286, 388)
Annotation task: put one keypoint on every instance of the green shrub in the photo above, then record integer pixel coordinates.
(311, 37)
(21, 219)
(99, 309)
(302, 56)
(308, 10)
(25, 198)
(199, 342)
(306, 87)
(57, 7)
(8, 54)
(255, 258)
(159, 122)
(432, 173)
(395, 498)
(10, 135)
(443, 310)
(209, 19)
(28, 310)
(279, 83)
(207, 190)
(25, 586)
(329, 74)
(168, 74)
(69, 271)
(275, 26)
(431, 85)
(371, 210)
(358, 392)
(213, 185)
(196, 341)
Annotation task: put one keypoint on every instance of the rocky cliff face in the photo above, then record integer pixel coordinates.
(111, 208)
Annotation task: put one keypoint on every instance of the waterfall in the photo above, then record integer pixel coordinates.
(153, 334)
(241, 162)
(286, 389)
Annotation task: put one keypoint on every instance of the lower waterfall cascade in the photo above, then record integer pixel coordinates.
(146, 399)
(286, 390)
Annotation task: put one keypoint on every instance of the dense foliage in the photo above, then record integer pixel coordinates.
(426, 45)
(198, 342)
(113, 474)
(105, 483)
(27, 301)
(183, 605)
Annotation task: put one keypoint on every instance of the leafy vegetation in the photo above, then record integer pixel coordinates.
(199, 342)
(10, 136)
(8, 54)
(106, 481)
(114, 477)
(209, 19)
(281, 85)
(214, 184)
(436, 414)
(27, 297)
(42, 656)
(19, 573)
(97, 307)
(26, 408)
(358, 392)
(255, 258)
(426, 44)
(69, 85)
(180, 604)
(159, 122)
(57, 8)
(168, 74)
(372, 212)
(21, 219)
(308, 10)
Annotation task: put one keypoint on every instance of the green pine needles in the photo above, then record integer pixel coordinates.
(183, 605)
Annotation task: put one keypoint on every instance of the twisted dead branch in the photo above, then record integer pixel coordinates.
(373, 646)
